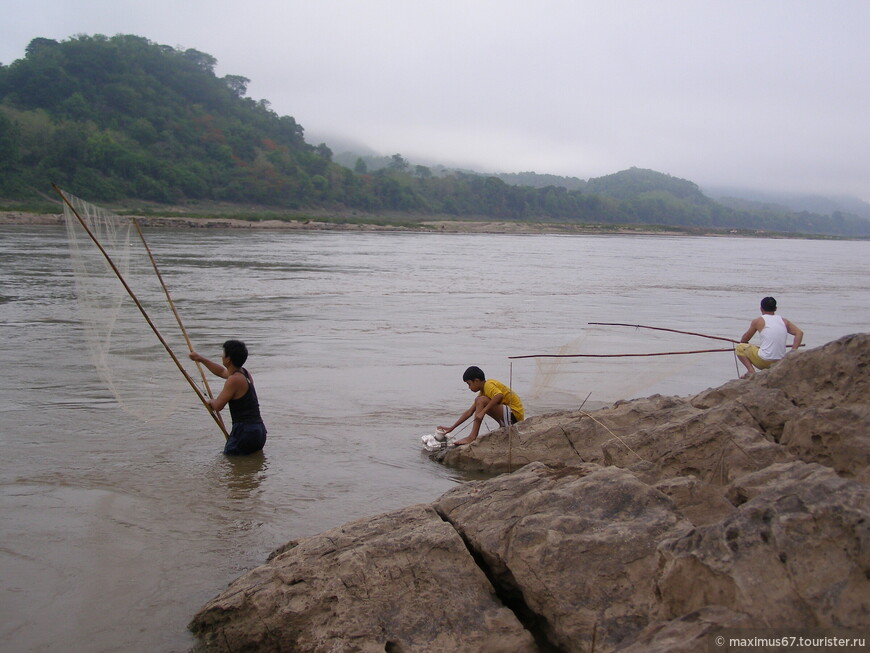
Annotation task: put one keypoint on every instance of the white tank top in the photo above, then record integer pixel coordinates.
(773, 337)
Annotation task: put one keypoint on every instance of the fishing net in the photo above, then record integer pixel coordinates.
(607, 363)
(126, 352)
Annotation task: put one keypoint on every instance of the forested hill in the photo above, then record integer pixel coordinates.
(120, 119)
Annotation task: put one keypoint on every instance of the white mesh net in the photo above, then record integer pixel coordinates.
(596, 365)
(125, 350)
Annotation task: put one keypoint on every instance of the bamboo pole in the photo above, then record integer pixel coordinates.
(177, 318)
(660, 353)
(141, 308)
(169, 300)
(688, 333)
(641, 326)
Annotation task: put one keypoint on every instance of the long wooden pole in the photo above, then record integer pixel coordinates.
(641, 326)
(177, 318)
(141, 308)
(660, 353)
(169, 300)
(688, 333)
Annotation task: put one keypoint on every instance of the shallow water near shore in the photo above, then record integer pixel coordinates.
(115, 532)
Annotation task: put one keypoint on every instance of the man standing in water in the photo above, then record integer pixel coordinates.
(772, 330)
(494, 399)
(248, 434)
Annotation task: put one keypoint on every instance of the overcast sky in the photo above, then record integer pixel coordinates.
(755, 93)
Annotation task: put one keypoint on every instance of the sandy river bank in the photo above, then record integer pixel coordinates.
(357, 223)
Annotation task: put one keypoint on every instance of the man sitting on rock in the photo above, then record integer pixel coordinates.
(772, 330)
(494, 399)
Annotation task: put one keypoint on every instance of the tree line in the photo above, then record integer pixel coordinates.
(121, 118)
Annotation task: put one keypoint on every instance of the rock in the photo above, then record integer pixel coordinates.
(835, 437)
(577, 544)
(795, 554)
(690, 633)
(769, 407)
(716, 445)
(402, 581)
(835, 374)
(701, 503)
(572, 437)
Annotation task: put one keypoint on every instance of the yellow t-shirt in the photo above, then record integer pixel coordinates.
(491, 388)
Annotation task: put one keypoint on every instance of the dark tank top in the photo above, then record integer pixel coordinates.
(246, 409)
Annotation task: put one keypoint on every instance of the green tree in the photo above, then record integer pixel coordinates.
(9, 147)
(237, 84)
(398, 163)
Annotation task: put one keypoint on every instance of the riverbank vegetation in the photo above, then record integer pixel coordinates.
(130, 123)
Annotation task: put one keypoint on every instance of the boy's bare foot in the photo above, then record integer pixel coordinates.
(748, 375)
(459, 443)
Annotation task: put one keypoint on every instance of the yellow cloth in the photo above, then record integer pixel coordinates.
(491, 388)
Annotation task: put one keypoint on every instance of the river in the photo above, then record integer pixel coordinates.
(115, 531)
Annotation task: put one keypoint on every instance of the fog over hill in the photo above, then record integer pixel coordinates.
(125, 120)
(347, 152)
(823, 205)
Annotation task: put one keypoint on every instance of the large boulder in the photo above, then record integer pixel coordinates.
(574, 546)
(701, 503)
(838, 438)
(716, 445)
(570, 437)
(833, 375)
(691, 633)
(402, 581)
(795, 553)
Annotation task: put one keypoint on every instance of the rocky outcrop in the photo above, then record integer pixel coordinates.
(646, 526)
(796, 553)
(395, 582)
(813, 406)
(575, 546)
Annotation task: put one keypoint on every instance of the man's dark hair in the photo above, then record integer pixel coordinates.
(768, 304)
(473, 372)
(236, 351)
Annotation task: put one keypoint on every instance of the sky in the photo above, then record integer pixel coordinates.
(764, 94)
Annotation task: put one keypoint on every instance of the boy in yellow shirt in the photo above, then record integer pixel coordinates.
(494, 399)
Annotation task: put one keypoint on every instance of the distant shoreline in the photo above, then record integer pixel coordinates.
(481, 226)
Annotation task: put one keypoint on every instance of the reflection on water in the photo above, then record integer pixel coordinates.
(242, 475)
(116, 531)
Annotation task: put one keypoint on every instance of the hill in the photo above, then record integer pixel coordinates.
(789, 202)
(121, 117)
(123, 121)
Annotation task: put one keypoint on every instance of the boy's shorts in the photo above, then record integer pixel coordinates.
(751, 352)
(508, 415)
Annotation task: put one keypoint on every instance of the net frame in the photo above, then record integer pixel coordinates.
(127, 314)
(610, 364)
